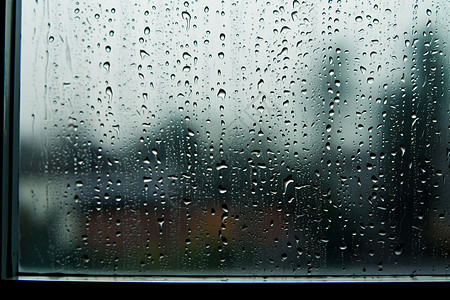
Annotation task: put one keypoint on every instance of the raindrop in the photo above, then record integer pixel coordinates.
(221, 94)
(222, 189)
(288, 180)
(143, 54)
(109, 92)
(260, 84)
(106, 66)
(186, 55)
(221, 165)
(362, 69)
(186, 16)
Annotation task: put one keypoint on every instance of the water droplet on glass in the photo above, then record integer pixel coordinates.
(221, 165)
(143, 54)
(222, 189)
(187, 17)
(398, 250)
(288, 180)
(186, 55)
(106, 65)
(221, 94)
(109, 93)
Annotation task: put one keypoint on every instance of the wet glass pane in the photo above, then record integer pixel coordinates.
(235, 137)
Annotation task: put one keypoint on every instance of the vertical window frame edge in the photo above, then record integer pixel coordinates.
(10, 131)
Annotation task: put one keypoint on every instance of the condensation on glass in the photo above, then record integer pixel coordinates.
(235, 137)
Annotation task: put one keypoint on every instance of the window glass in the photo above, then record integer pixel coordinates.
(234, 137)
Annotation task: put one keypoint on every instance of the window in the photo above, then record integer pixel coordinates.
(221, 139)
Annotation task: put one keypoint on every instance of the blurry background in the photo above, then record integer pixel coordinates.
(235, 137)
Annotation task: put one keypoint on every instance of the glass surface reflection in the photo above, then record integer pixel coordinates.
(235, 138)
